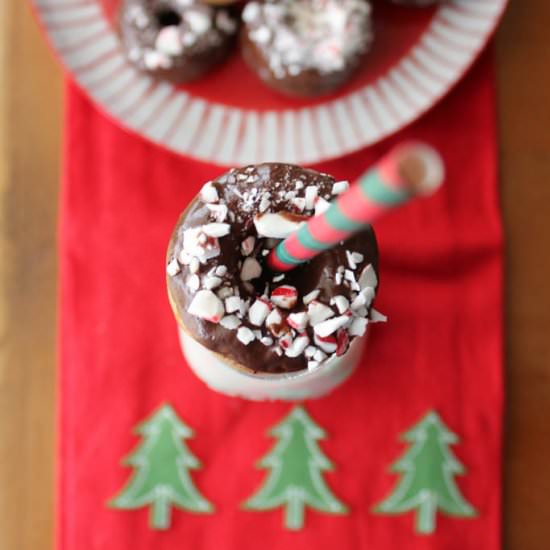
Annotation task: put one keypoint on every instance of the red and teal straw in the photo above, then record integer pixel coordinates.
(409, 170)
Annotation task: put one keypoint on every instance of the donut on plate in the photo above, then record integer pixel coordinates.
(306, 47)
(177, 40)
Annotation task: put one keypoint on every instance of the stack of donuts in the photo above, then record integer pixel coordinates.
(297, 47)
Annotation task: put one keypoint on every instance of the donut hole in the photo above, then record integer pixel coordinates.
(167, 17)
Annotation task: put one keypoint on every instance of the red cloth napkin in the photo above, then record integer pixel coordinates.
(441, 286)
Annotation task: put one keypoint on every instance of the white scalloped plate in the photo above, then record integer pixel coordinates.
(418, 57)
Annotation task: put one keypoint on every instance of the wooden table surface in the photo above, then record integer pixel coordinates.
(30, 121)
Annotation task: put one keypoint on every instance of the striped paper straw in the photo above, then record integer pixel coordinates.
(409, 170)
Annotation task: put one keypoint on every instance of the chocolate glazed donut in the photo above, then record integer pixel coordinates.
(175, 40)
(225, 297)
(306, 47)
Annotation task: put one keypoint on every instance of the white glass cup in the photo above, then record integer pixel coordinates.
(224, 377)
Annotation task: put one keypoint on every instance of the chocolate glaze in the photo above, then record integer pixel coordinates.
(241, 190)
(141, 21)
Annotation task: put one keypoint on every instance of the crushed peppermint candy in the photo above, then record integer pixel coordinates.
(327, 344)
(330, 326)
(341, 303)
(207, 306)
(319, 312)
(298, 321)
(285, 296)
(276, 226)
(321, 205)
(230, 322)
(310, 296)
(297, 347)
(377, 317)
(209, 193)
(339, 187)
(173, 268)
(232, 304)
(220, 211)
(216, 229)
(258, 312)
(245, 335)
(311, 196)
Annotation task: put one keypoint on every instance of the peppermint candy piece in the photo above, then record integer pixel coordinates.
(208, 192)
(210, 282)
(311, 196)
(221, 271)
(216, 229)
(224, 292)
(197, 244)
(341, 303)
(328, 344)
(321, 205)
(173, 268)
(276, 226)
(168, 41)
(285, 341)
(285, 296)
(245, 335)
(258, 312)
(363, 299)
(297, 347)
(313, 295)
(319, 355)
(193, 283)
(153, 60)
(326, 328)
(310, 352)
(194, 265)
(318, 312)
(230, 322)
(368, 277)
(232, 304)
(198, 20)
(342, 342)
(220, 211)
(207, 306)
(354, 258)
(298, 321)
(377, 317)
(339, 187)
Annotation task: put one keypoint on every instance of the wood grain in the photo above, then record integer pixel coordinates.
(30, 120)
(524, 114)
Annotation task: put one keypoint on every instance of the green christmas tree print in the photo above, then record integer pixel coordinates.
(428, 470)
(295, 480)
(161, 478)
